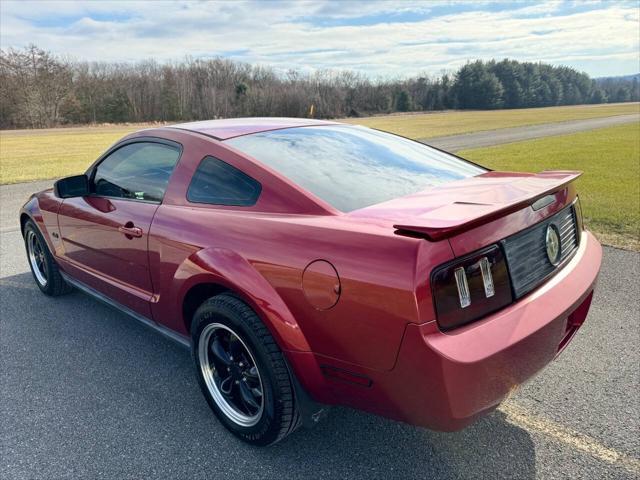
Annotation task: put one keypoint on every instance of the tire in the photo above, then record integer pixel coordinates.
(43, 267)
(214, 326)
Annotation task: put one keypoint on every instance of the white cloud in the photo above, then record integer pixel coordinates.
(309, 35)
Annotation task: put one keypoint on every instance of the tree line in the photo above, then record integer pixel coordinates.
(39, 89)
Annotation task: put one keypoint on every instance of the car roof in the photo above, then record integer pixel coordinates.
(234, 127)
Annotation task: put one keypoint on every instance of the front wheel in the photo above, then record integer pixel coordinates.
(242, 372)
(43, 266)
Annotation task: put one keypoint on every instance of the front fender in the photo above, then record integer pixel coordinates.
(31, 210)
(229, 269)
(42, 209)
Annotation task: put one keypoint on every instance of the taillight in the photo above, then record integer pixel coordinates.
(471, 287)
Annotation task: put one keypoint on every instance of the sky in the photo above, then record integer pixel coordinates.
(381, 39)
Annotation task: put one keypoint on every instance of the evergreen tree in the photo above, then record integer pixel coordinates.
(476, 87)
(403, 103)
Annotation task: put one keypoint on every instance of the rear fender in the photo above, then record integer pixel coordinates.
(229, 269)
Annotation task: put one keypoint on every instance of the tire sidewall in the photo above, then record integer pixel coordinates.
(266, 430)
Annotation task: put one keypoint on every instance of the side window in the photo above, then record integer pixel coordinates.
(218, 183)
(138, 171)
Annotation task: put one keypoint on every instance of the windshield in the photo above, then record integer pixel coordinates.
(352, 167)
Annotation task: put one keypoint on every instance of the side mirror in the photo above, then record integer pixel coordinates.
(76, 186)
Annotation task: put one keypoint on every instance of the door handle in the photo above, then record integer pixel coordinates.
(130, 231)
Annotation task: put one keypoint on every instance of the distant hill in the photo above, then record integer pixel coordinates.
(623, 88)
(628, 78)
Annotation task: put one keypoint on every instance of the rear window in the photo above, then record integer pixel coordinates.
(353, 167)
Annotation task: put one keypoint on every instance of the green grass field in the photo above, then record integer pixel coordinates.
(40, 154)
(429, 125)
(27, 155)
(609, 189)
(610, 158)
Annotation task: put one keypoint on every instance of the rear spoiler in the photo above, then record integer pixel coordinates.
(458, 217)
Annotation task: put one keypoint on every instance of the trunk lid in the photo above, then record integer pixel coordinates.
(458, 207)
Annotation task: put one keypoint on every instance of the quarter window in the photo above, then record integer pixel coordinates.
(138, 171)
(218, 183)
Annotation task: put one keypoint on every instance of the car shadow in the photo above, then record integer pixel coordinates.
(86, 391)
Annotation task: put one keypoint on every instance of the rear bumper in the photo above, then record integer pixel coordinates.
(446, 380)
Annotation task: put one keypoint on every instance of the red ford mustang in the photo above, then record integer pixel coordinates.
(310, 263)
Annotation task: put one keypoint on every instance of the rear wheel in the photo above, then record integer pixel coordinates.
(43, 266)
(242, 372)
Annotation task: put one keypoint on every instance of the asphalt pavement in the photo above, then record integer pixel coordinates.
(88, 393)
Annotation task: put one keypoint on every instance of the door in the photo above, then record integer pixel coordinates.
(105, 234)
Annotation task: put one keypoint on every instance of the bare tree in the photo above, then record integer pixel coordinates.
(38, 89)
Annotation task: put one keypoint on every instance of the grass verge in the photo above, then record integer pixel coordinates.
(609, 189)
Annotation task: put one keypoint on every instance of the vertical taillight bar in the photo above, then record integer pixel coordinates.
(463, 287)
